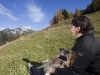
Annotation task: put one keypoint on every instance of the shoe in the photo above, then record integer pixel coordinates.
(30, 68)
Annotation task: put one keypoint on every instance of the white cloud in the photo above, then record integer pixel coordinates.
(35, 13)
(5, 12)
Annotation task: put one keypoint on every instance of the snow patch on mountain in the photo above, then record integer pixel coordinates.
(19, 30)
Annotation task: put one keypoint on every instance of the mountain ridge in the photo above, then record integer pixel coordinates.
(19, 30)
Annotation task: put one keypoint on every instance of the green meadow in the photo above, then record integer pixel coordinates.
(39, 46)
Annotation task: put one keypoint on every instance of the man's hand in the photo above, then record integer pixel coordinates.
(51, 70)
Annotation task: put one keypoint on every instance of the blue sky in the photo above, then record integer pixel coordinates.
(34, 13)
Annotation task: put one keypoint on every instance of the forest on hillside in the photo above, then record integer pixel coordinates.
(63, 14)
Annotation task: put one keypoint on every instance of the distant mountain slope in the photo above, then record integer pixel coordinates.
(39, 46)
(19, 30)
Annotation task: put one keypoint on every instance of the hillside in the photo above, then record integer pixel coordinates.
(39, 46)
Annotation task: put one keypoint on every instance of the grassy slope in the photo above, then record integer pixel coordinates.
(39, 46)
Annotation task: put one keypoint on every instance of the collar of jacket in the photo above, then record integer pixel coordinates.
(89, 32)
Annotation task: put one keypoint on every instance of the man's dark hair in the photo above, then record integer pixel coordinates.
(83, 22)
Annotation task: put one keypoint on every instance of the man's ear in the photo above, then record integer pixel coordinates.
(78, 29)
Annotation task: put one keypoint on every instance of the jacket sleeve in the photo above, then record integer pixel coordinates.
(63, 71)
(84, 55)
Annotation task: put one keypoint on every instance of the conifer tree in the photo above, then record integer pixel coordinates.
(0, 38)
(77, 12)
(71, 15)
(89, 9)
(65, 13)
(59, 16)
(53, 20)
(4, 37)
(96, 5)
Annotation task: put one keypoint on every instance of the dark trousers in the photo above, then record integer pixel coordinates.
(36, 71)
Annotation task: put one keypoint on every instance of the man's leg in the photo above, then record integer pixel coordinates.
(34, 71)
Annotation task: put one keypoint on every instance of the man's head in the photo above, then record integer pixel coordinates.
(82, 23)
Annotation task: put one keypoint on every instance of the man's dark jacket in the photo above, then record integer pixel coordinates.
(87, 60)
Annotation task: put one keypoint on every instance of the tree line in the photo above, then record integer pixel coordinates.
(63, 14)
(4, 37)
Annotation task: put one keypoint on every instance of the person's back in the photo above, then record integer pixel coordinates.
(94, 67)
